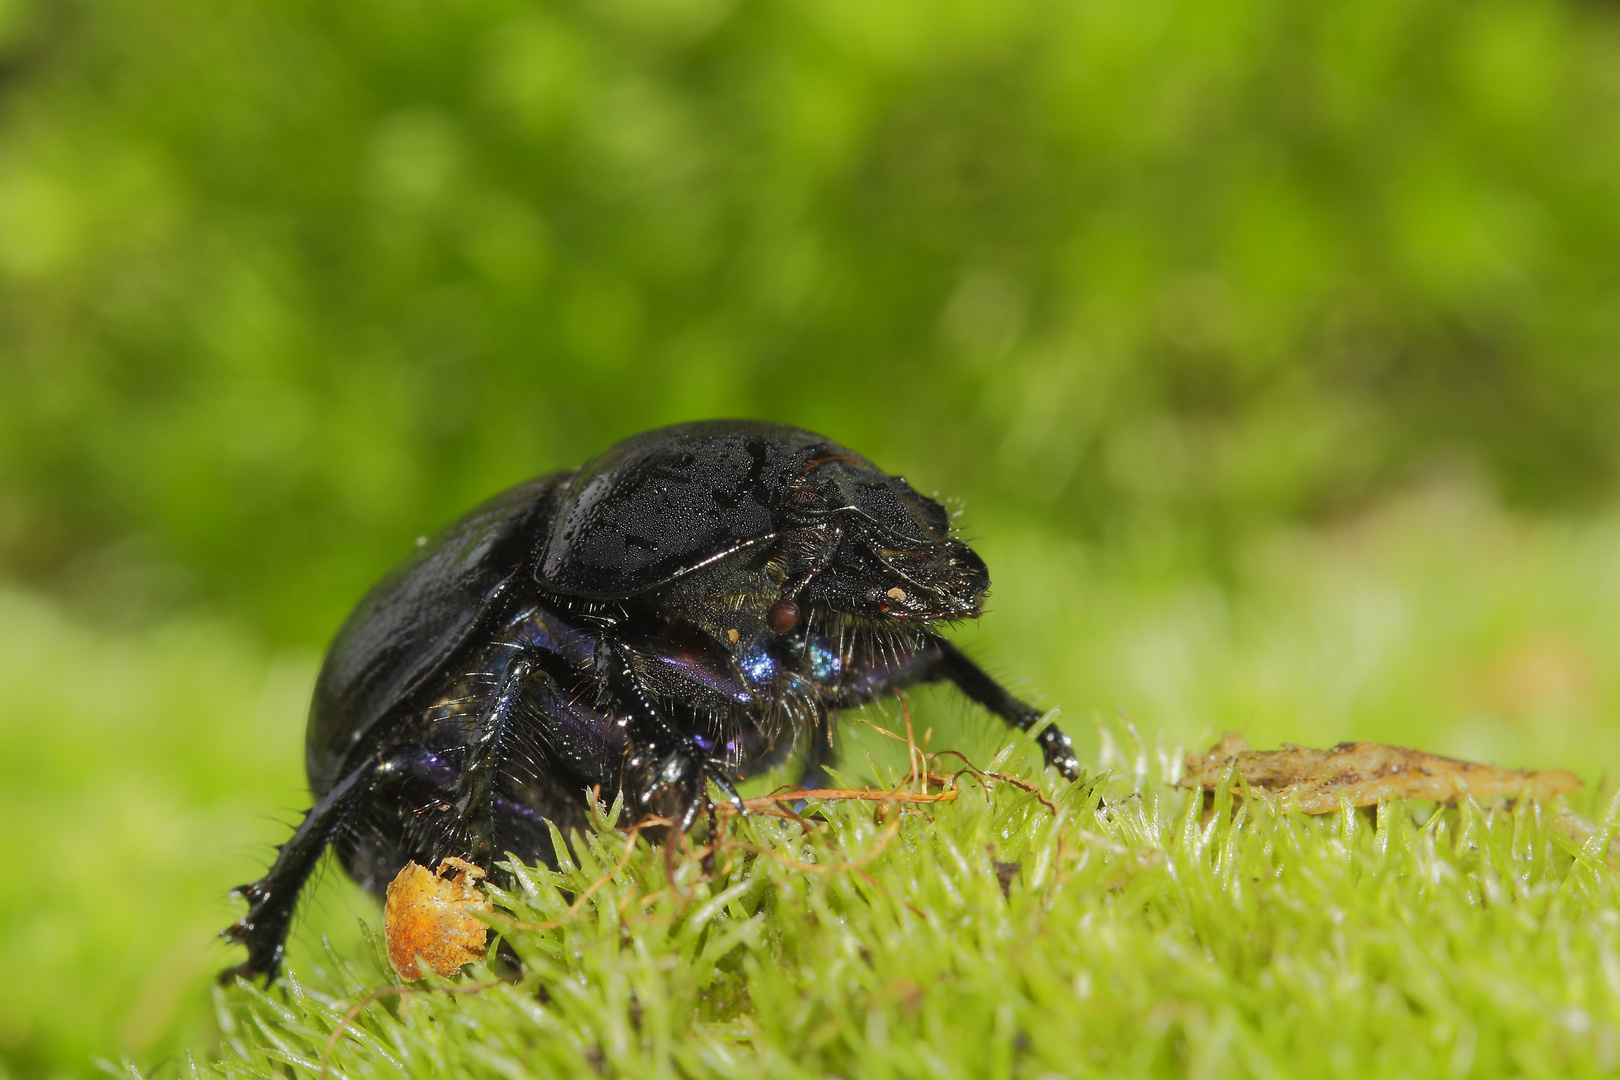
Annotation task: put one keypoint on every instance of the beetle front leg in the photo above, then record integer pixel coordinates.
(475, 787)
(972, 680)
(270, 899)
(663, 758)
(819, 754)
(940, 660)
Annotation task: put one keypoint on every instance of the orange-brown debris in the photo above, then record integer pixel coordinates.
(433, 917)
(1366, 774)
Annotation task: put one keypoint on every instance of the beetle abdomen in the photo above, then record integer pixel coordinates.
(412, 621)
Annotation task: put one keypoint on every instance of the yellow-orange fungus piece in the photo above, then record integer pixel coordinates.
(434, 917)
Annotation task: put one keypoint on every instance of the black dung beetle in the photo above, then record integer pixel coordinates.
(688, 607)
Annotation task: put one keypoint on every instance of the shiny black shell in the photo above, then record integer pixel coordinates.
(669, 501)
(635, 518)
(413, 621)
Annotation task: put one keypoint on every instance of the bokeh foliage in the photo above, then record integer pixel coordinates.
(285, 284)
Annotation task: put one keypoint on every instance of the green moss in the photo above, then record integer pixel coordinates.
(1138, 935)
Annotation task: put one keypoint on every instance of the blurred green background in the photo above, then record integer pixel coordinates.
(1272, 349)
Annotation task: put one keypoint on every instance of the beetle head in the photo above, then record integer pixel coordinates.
(870, 575)
(871, 546)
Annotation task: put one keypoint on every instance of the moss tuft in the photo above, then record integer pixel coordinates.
(1109, 927)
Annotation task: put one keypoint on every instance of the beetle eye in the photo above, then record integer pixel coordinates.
(783, 616)
(799, 495)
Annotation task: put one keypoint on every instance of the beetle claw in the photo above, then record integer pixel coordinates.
(689, 814)
(727, 788)
(1058, 750)
(696, 774)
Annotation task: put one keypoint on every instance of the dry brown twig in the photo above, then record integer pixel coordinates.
(840, 795)
(970, 769)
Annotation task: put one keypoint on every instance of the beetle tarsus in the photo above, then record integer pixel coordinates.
(723, 782)
(264, 928)
(1056, 747)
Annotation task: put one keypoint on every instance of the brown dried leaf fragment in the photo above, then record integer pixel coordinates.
(1366, 774)
(433, 917)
